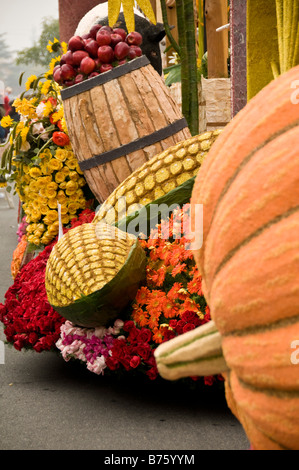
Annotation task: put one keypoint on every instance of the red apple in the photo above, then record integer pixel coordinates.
(91, 47)
(122, 62)
(121, 50)
(69, 83)
(107, 28)
(121, 32)
(103, 37)
(98, 63)
(79, 78)
(78, 56)
(93, 74)
(134, 52)
(93, 30)
(76, 43)
(85, 36)
(87, 65)
(115, 38)
(105, 54)
(57, 75)
(134, 39)
(106, 67)
(68, 58)
(67, 72)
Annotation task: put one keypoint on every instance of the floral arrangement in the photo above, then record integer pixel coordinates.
(39, 159)
(29, 320)
(171, 303)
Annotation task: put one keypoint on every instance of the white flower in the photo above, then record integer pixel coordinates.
(38, 128)
(40, 110)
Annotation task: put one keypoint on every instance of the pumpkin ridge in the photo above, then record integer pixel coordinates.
(241, 167)
(282, 394)
(262, 328)
(255, 234)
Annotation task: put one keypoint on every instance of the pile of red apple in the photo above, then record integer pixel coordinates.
(102, 49)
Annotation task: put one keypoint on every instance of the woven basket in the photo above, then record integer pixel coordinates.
(93, 272)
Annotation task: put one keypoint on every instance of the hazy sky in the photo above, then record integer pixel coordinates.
(21, 20)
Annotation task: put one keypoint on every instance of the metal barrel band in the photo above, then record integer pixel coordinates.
(135, 145)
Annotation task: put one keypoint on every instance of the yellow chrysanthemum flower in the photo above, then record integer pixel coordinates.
(47, 109)
(29, 82)
(58, 115)
(6, 121)
(45, 87)
(24, 133)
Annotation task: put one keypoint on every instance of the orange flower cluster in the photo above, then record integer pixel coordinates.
(172, 302)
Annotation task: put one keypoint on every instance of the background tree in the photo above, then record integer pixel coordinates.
(38, 53)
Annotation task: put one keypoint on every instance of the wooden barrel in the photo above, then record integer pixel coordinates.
(118, 120)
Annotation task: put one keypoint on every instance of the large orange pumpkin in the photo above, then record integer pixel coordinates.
(249, 260)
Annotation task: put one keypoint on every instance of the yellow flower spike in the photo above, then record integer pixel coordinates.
(147, 9)
(128, 7)
(113, 11)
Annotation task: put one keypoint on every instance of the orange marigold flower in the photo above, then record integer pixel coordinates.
(139, 316)
(173, 293)
(142, 295)
(194, 286)
(157, 277)
(157, 336)
(178, 269)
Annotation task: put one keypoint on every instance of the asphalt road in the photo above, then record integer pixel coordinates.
(47, 404)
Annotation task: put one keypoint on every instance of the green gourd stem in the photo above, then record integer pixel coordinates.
(279, 14)
(184, 60)
(192, 66)
(201, 46)
(170, 37)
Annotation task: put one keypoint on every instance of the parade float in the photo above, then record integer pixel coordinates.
(112, 269)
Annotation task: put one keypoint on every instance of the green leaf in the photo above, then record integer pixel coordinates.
(21, 78)
(174, 75)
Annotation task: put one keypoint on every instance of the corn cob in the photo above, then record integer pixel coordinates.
(157, 177)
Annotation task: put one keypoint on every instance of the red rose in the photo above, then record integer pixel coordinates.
(152, 373)
(128, 325)
(60, 139)
(144, 335)
(112, 363)
(188, 327)
(144, 350)
(135, 361)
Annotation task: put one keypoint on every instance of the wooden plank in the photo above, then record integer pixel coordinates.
(102, 113)
(216, 13)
